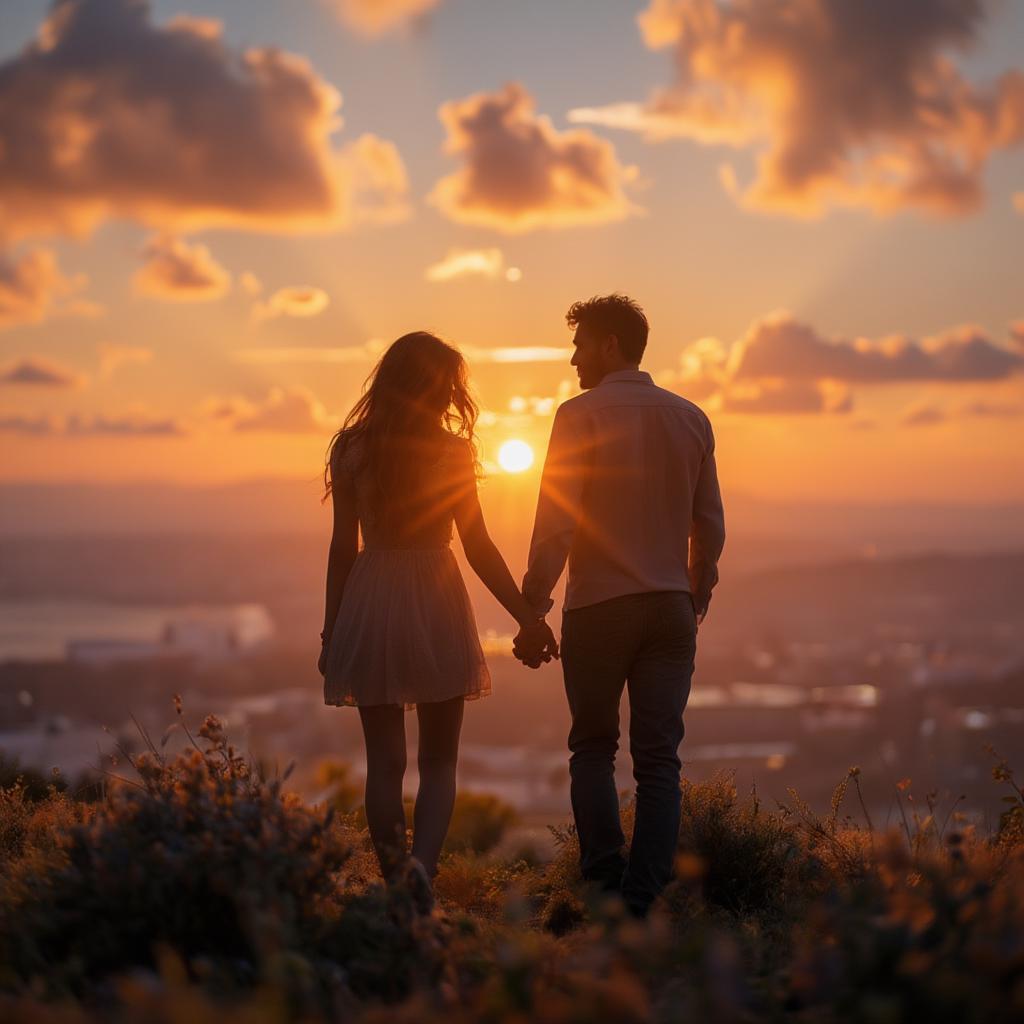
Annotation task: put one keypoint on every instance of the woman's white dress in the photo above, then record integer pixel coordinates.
(405, 632)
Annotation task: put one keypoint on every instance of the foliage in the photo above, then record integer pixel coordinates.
(479, 823)
(201, 856)
(202, 891)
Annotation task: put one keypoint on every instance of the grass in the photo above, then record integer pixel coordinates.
(197, 889)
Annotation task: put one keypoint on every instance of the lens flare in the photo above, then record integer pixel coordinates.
(515, 456)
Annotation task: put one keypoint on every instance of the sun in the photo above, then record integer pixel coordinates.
(515, 456)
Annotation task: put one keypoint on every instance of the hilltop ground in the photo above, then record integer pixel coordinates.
(196, 890)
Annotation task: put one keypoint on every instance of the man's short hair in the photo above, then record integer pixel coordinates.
(613, 314)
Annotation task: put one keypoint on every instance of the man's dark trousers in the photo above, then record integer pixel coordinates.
(647, 642)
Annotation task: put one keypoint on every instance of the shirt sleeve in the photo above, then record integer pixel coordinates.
(707, 530)
(558, 512)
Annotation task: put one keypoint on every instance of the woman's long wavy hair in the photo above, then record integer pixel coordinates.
(419, 388)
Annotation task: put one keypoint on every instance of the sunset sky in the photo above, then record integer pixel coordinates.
(214, 214)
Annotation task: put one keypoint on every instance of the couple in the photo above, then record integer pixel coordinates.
(629, 496)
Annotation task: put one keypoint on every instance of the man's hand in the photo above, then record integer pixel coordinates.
(535, 644)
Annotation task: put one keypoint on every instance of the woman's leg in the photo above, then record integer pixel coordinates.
(384, 733)
(440, 724)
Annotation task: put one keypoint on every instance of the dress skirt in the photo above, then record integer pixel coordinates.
(405, 632)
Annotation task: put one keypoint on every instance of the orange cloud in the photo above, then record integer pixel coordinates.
(922, 414)
(38, 371)
(992, 410)
(112, 357)
(137, 423)
(33, 287)
(519, 173)
(856, 104)
(489, 263)
(517, 353)
(298, 300)
(786, 397)
(250, 283)
(374, 349)
(106, 114)
(781, 365)
(29, 426)
(174, 270)
(291, 410)
(367, 353)
(375, 17)
(379, 181)
(779, 346)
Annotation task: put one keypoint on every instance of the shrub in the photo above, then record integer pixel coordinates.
(200, 855)
(486, 888)
(343, 793)
(748, 860)
(34, 784)
(479, 822)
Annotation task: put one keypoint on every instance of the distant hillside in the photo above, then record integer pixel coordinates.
(761, 533)
(286, 573)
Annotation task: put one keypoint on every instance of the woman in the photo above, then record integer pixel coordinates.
(399, 632)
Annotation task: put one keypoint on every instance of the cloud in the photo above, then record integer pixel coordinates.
(174, 270)
(30, 426)
(374, 349)
(519, 173)
(856, 104)
(1017, 333)
(921, 414)
(367, 353)
(786, 397)
(107, 114)
(517, 353)
(780, 346)
(298, 300)
(489, 263)
(1018, 201)
(132, 424)
(991, 410)
(702, 370)
(38, 371)
(33, 287)
(292, 410)
(375, 17)
(112, 357)
(380, 182)
(250, 283)
(135, 423)
(783, 365)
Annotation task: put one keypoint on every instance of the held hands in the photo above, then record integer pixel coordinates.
(535, 644)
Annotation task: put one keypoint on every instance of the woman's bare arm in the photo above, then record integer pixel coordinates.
(342, 553)
(486, 561)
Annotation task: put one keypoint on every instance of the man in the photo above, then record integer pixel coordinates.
(630, 496)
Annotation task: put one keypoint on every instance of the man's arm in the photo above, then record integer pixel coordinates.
(558, 512)
(707, 532)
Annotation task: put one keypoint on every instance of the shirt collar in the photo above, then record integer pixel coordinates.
(632, 376)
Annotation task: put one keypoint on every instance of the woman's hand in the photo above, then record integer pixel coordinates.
(535, 644)
(321, 665)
